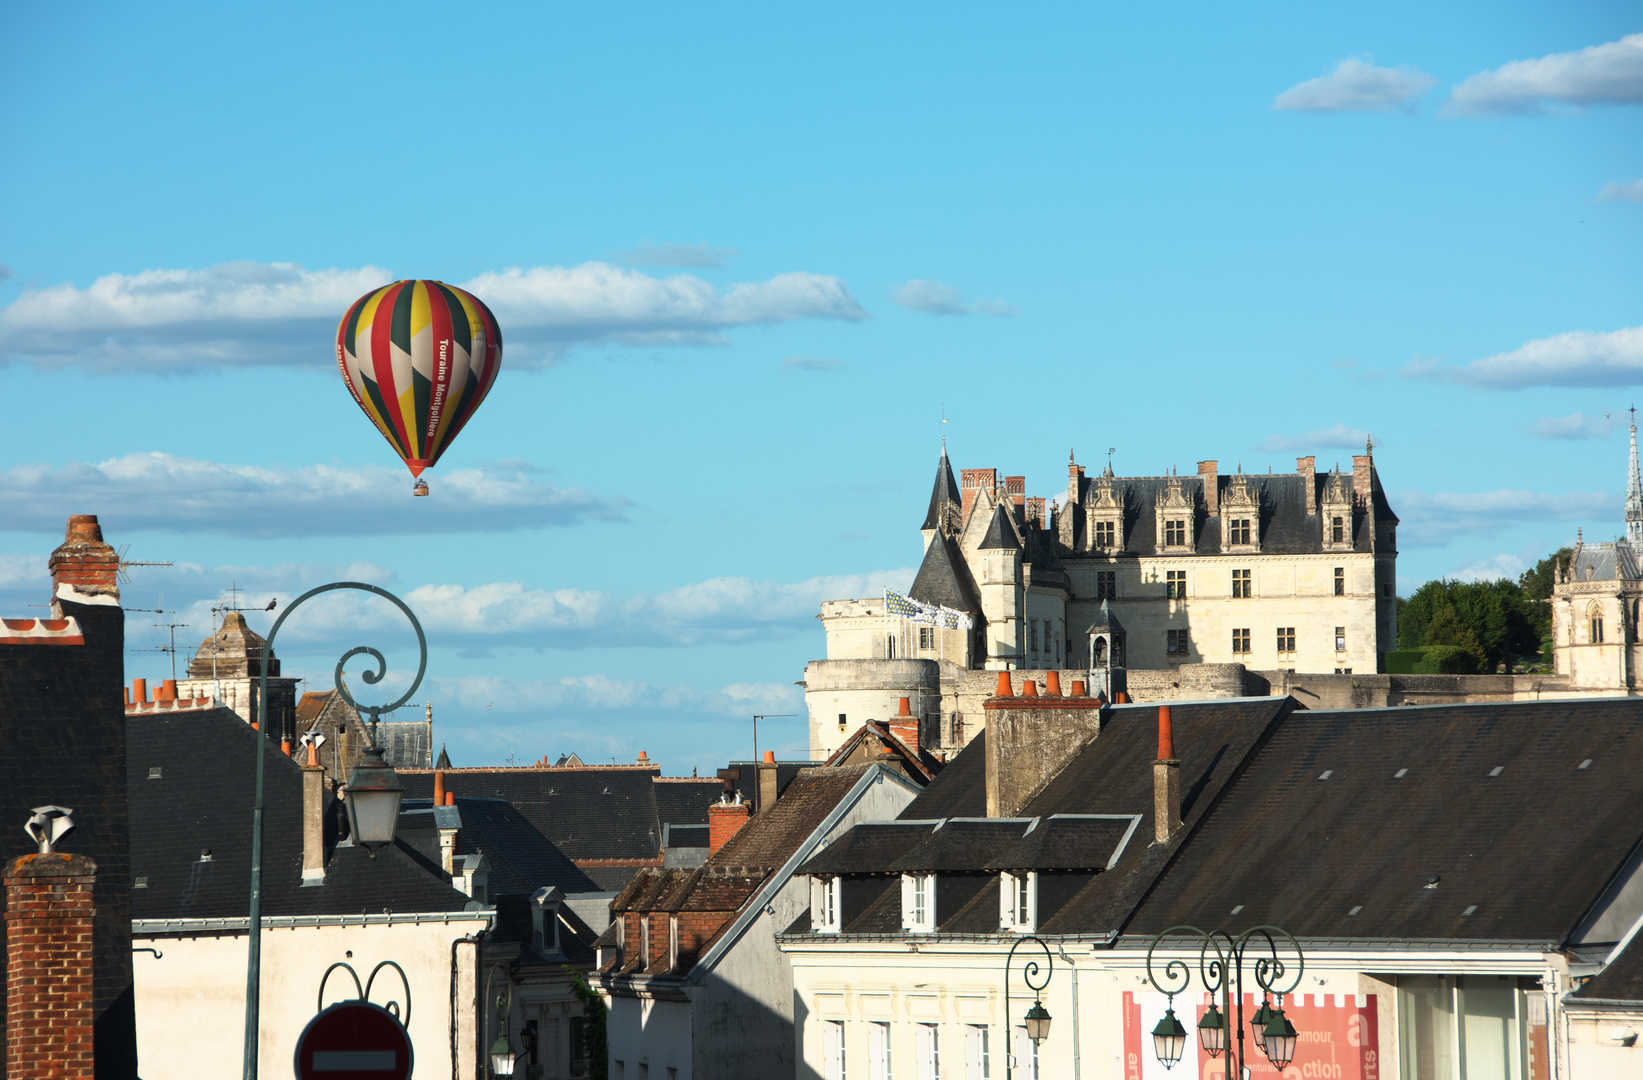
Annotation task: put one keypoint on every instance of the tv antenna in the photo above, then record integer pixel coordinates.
(124, 577)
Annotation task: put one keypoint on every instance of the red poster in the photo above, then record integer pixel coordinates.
(1338, 1038)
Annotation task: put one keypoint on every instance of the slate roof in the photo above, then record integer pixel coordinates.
(1604, 562)
(955, 845)
(1622, 980)
(748, 784)
(201, 802)
(945, 490)
(1105, 621)
(1340, 824)
(522, 859)
(1068, 843)
(869, 848)
(960, 790)
(771, 838)
(514, 924)
(1000, 533)
(588, 813)
(685, 802)
(943, 578)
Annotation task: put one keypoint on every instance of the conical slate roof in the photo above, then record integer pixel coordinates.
(444, 761)
(1000, 534)
(943, 580)
(1105, 622)
(234, 650)
(946, 490)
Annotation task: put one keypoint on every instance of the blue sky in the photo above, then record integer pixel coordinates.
(743, 257)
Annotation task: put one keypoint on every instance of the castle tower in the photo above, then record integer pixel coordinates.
(228, 665)
(943, 515)
(1634, 496)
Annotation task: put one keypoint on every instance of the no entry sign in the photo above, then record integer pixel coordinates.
(354, 1040)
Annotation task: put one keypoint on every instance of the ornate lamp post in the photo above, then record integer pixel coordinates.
(1037, 1018)
(1224, 973)
(372, 810)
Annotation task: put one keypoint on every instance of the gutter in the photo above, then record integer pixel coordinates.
(151, 927)
(740, 925)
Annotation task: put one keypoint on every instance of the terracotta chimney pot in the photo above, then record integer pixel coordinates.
(450, 798)
(1166, 735)
(439, 789)
(1004, 689)
(1029, 689)
(139, 690)
(1052, 684)
(905, 708)
(1078, 688)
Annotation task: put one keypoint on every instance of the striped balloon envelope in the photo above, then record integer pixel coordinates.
(419, 357)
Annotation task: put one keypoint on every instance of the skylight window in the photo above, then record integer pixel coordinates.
(1400, 774)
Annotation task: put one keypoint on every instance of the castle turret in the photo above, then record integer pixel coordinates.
(1634, 495)
(228, 666)
(943, 515)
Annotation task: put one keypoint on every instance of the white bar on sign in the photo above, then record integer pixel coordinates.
(355, 1060)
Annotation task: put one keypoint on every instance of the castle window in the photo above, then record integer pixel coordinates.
(1594, 617)
(926, 637)
(1175, 533)
(1104, 533)
(1175, 584)
(1106, 584)
(890, 646)
(1340, 639)
(1240, 640)
(1175, 642)
(1340, 581)
(1337, 530)
(1239, 532)
(1034, 625)
(1242, 587)
(1286, 639)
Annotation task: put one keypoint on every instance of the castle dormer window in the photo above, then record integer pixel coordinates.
(1238, 531)
(1105, 534)
(1337, 529)
(1175, 533)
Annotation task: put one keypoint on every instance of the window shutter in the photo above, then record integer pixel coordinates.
(1006, 901)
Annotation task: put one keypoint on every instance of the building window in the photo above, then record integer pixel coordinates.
(978, 1062)
(1238, 533)
(1175, 642)
(1033, 624)
(1019, 896)
(1343, 671)
(880, 1063)
(1286, 639)
(1026, 1055)
(827, 905)
(1386, 588)
(1175, 533)
(1104, 534)
(1240, 641)
(1340, 581)
(918, 903)
(1455, 1026)
(929, 1052)
(926, 637)
(1175, 584)
(889, 646)
(1337, 530)
(1106, 584)
(833, 1049)
(578, 1045)
(1242, 587)
(1340, 639)
(1594, 619)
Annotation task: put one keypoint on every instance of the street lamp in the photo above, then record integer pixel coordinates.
(1271, 1030)
(1037, 1018)
(372, 812)
(501, 1052)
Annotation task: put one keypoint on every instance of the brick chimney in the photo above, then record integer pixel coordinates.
(1030, 739)
(48, 966)
(1362, 466)
(313, 822)
(1209, 473)
(1308, 468)
(767, 781)
(1166, 783)
(724, 820)
(904, 725)
(84, 569)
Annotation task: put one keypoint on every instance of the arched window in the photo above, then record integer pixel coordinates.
(889, 646)
(1594, 622)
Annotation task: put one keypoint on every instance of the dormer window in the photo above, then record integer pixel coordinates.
(1337, 529)
(824, 904)
(1018, 901)
(1238, 532)
(1105, 533)
(1175, 533)
(918, 903)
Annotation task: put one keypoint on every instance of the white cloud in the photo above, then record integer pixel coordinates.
(24, 571)
(672, 255)
(602, 694)
(1576, 358)
(1336, 437)
(1356, 86)
(938, 298)
(1434, 518)
(813, 363)
(251, 314)
(1575, 426)
(1609, 74)
(1492, 568)
(1622, 191)
(154, 490)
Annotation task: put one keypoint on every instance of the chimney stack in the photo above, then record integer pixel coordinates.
(1308, 468)
(1208, 472)
(84, 569)
(1166, 783)
(313, 824)
(48, 965)
(1362, 466)
(905, 725)
(767, 780)
(724, 820)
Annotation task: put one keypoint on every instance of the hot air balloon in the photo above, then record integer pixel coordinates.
(419, 357)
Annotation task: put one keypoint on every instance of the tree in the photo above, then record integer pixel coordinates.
(1492, 620)
(593, 1021)
(1537, 588)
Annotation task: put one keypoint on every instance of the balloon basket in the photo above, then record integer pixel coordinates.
(421, 488)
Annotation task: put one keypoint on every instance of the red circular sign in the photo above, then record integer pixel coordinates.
(354, 1040)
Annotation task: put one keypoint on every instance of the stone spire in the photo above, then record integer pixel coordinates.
(1634, 495)
(944, 498)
